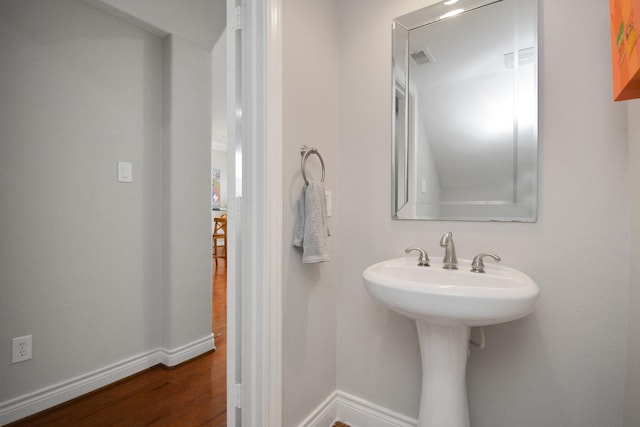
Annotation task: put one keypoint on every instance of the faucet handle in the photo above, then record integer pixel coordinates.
(423, 258)
(446, 237)
(477, 266)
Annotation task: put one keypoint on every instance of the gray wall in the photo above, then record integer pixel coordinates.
(565, 364)
(80, 264)
(310, 111)
(97, 271)
(632, 410)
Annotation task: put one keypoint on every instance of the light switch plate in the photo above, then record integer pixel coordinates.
(327, 197)
(125, 172)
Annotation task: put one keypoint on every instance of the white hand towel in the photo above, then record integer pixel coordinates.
(311, 227)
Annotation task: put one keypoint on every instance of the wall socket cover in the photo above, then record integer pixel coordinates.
(21, 349)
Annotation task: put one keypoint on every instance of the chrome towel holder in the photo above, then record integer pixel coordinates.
(305, 151)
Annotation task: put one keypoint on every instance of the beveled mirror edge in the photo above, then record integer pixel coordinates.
(397, 69)
(435, 12)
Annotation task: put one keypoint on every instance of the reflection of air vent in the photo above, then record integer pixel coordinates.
(525, 56)
(422, 56)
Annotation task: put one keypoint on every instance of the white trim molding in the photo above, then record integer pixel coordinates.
(352, 410)
(186, 352)
(261, 242)
(324, 415)
(56, 394)
(274, 208)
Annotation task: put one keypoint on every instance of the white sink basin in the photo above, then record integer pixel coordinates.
(436, 295)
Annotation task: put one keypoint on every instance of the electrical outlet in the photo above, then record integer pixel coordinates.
(21, 349)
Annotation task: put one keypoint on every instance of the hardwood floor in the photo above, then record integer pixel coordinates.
(191, 394)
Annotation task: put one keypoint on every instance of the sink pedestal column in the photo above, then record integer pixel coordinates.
(444, 348)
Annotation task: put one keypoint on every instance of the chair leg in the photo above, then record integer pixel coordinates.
(219, 250)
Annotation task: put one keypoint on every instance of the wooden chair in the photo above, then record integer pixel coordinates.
(219, 238)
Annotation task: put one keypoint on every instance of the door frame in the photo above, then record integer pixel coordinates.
(255, 218)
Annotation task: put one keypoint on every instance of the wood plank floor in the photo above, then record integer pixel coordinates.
(191, 394)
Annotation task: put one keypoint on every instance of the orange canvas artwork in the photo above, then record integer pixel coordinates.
(625, 50)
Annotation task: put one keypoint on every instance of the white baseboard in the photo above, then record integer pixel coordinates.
(324, 415)
(359, 413)
(179, 355)
(48, 397)
(356, 412)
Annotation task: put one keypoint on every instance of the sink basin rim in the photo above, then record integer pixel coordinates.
(446, 297)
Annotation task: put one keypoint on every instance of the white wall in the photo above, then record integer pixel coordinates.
(201, 22)
(632, 410)
(427, 171)
(219, 91)
(219, 114)
(565, 364)
(310, 117)
(80, 257)
(186, 206)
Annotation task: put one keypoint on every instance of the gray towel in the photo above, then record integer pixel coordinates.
(311, 227)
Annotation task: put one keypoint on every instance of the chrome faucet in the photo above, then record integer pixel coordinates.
(450, 262)
(477, 266)
(423, 258)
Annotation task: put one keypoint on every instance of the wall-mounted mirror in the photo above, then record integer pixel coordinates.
(465, 113)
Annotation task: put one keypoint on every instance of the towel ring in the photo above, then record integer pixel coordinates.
(306, 151)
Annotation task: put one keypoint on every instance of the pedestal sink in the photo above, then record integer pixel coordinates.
(445, 305)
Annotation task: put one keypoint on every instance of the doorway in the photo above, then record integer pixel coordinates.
(219, 202)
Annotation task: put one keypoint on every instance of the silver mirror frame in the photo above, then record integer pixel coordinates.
(402, 148)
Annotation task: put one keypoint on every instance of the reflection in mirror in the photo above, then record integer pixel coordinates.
(465, 111)
(400, 123)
